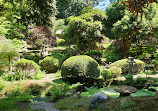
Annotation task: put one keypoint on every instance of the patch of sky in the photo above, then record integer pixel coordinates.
(103, 4)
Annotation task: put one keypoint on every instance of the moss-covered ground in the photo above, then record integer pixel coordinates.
(148, 103)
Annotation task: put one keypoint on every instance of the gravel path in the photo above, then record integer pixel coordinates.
(44, 106)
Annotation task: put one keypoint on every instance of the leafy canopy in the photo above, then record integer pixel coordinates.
(84, 30)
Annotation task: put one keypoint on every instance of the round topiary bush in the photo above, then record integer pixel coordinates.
(80, 66)
(137, 67)
(106, 73)
(115, 71)
(51, 63)
(61, 42)
(29, 67)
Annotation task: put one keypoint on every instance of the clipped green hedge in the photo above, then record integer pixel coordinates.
(61, 42)
(80, 66)
(27, 66)
(51, 63)
(137, 67)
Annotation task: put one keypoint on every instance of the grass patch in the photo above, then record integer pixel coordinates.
(107, 90)
(15, 102)
(113, 94)
(143, 92)
(70, 103)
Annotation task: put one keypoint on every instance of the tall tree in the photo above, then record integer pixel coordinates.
(68, 8)
(21, 13)
(84, 30)
(127, 27)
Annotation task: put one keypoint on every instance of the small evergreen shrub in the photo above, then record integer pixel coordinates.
(57, 92)
(137, 67)
(28, 67)
(106, 73)
(60, 42)
(80, 66)
(140, 83)
(51, 63)
(115, 71)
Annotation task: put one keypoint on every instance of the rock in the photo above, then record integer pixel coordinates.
(100, 95)
(43, 105)
(77, 95)
(125, 90)
(96, 99)
(68, 94)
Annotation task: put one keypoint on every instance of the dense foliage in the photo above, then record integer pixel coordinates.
(17, 15)
(85, 30)
(9, 52)
(68, 8)
(126, 27)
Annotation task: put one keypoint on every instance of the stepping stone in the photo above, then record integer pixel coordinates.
(44, 105)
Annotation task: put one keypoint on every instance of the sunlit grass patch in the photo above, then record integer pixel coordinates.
(143, 92)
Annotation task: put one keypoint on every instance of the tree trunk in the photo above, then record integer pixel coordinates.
(126, 44)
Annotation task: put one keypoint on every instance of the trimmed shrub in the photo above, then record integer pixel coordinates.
(28, 67)
(51, 63)
(115, 71)
(106, 73)
(61, 42)
(80, 66)
(137, 67)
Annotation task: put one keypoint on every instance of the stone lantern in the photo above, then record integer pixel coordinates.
(131, 62)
